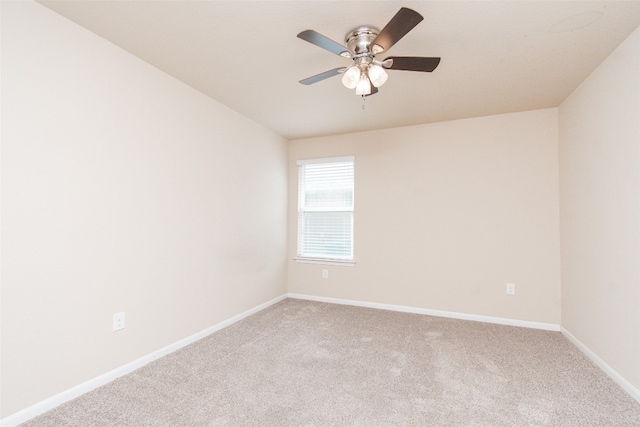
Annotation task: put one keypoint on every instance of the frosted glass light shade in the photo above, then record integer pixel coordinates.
(350, 77)
(364, 85)
(378, 75)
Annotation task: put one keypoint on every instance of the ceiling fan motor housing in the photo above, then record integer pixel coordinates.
(359, 39)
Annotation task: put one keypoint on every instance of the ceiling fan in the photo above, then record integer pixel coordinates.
(363, 43)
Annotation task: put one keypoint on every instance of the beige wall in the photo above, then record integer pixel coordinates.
(600, 210)
(122, 190)
(445, 215)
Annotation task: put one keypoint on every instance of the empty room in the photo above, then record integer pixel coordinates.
(320, 213)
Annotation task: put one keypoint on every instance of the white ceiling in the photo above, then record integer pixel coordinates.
(497, 56)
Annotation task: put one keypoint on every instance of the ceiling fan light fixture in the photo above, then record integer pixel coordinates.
(364, 85)
(351, 77)
(377, 75)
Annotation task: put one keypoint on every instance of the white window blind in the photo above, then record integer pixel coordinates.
(325, 209)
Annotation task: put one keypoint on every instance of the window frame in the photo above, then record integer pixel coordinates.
(301, 209)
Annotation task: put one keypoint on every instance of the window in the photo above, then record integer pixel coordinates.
(325, 210)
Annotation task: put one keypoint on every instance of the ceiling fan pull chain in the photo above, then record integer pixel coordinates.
(364, 98)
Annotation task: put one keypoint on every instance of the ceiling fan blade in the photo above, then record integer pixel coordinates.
(325, 43)
(374, 90)
(411, 63)
(318, 77)
(403, 22)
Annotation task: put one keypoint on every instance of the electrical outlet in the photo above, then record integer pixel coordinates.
(118, 321)
(325, 274)
(511, 289)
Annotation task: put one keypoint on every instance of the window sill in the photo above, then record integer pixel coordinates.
(326, 261)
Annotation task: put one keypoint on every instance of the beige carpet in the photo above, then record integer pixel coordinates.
(301, 363)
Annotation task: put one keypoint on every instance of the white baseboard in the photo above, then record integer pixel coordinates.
(615, 376)
(429, 312)
(67, 395)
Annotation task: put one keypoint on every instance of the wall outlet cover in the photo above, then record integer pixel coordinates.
(118, 321)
